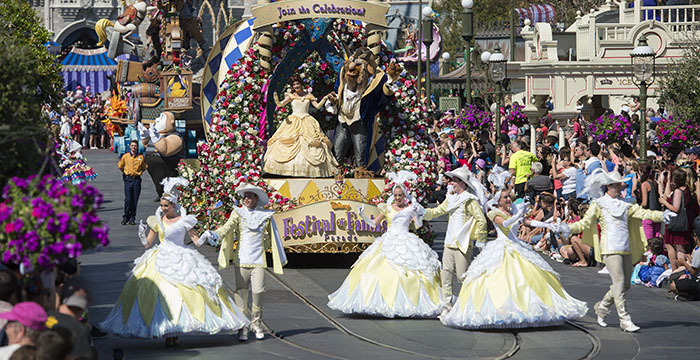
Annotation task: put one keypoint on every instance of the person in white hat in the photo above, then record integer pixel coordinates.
(466, 225)
(256, 232)
(621, 242)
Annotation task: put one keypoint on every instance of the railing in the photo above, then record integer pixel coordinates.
(613, 31)
(684, 14)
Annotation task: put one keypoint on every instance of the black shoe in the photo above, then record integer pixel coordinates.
(97, 333)
(123, 221)
(132, 222)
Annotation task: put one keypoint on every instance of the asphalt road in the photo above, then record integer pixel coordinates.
(303, 327)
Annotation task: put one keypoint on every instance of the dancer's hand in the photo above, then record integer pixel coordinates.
(564, 230)
(143, 232)
(668, 216)
(361, 209)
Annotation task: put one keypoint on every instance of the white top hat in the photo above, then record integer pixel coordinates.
(461, 173)
(250, 188)
(599, 178)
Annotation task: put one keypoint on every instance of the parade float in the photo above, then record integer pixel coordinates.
(331, 47)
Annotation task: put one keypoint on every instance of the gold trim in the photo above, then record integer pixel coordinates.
(328, 248)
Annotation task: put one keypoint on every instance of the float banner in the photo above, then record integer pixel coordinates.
(334, 221)
(279, 11)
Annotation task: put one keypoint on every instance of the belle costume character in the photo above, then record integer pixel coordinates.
(299, 148)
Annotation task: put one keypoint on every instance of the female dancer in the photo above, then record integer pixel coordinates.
(509, 285)
(299, 147)
(399, 274)
(172, 289)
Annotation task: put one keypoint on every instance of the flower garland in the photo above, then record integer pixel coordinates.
(609, 128)
(234, 152)
(46, 222)
(677, 133)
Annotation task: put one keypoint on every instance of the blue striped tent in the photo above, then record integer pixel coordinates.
(87, 67)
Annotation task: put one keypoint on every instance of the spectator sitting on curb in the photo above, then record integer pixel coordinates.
(685, 282)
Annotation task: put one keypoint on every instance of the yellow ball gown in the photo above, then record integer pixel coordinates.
(397, 276)
(509, 285)
(299, 148)
(173, 290)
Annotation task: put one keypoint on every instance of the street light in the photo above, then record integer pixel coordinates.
(427, 40)
(445, 62)
(497, 69)
(468, 35)
(643, 66)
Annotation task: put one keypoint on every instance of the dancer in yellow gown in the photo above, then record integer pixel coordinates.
(399, 274)
(509, 285)
(299, 148)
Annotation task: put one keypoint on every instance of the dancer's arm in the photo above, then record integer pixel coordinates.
(373, 222)
(639, 212)
(195, 238)
(589, 219)
(436, 212)
(319, 104)
(475, 211)
(287, 100)
(145, 235)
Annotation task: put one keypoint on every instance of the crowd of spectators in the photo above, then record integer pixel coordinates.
(552, 180)
(46, 319)
(80, 118)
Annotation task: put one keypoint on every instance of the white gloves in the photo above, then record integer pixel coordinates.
(210, 237)
(143, 232)
(143, 131)
(520, 211)
(153, 134)
(361, 212)
(564, 230)
(330, 108)
(668, 216)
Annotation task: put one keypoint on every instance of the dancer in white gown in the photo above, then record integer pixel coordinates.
(399, 274)
(509, 285)
(172, 289)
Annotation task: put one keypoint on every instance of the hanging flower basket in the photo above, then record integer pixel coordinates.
(610, 128)
(516, 116)
(677, 133)
(46, 222)
(473, 119)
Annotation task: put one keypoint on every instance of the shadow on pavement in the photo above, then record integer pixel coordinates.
(320, 261)
(317, 330)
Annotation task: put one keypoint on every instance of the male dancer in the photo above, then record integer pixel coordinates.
(255, 230)
(621, 242)
(466, 224)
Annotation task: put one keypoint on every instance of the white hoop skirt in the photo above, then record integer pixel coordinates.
(510, 286)
(173, 290)
(397, 276)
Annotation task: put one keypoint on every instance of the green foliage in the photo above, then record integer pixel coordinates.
(680, 86)
(495, 14)
(29, 77)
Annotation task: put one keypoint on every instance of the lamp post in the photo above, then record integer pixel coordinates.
(446, 64)
(643, 66)
(497, 69)
(419, 44)
(468, 35)
(427, 40)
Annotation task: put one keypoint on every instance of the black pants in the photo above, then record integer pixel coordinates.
(519, 190)
(160, 168)
(132, 191)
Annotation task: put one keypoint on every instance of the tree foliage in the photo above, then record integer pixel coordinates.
(29, 78)
(495, 14)
(680, 86)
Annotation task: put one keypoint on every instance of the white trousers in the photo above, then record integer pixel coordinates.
(620, 268)
(454, 263)
(253, 278)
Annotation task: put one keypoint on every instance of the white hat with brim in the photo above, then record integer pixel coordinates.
(599, 178)
(461, 173)
(263, 199)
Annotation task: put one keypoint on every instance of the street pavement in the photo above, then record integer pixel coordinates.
(301, 326)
